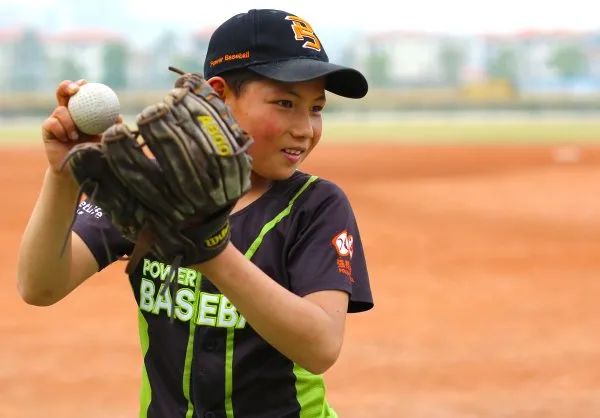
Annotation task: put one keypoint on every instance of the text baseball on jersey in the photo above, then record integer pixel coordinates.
(208, 309)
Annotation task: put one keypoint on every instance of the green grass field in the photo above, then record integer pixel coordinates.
(431, 131)
(462, 132)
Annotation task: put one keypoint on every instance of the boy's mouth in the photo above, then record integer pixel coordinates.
(293, 155)
(293, 151)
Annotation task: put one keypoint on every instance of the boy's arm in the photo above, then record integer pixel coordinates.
(44, 275)
(309, 330)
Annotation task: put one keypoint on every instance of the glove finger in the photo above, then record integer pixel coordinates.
(238, 138)
(233, 157)
(208, 100)
(189, 80)
(170, 134)
(237, 182)
(141, 175)
(226, 147)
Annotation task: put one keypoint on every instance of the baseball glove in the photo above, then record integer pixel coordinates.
(172, 190)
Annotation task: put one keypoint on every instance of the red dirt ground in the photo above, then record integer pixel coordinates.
(484, 264)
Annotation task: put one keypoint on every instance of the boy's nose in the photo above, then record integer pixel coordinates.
(302, 126)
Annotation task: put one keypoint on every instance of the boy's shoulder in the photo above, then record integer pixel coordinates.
(319, 188)
(310, 197)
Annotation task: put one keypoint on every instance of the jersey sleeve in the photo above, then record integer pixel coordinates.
(327, 252)
(99, 234)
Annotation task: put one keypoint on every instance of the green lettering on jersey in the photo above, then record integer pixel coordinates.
(163, 301)
(228, 315)
(147, 289)
(207, 309)
(184, 304)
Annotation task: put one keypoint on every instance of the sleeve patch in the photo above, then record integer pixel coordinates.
(343, 244)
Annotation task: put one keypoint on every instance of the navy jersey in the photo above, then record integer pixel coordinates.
(201, 357)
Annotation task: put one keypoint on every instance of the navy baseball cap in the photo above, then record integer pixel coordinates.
(279, 46)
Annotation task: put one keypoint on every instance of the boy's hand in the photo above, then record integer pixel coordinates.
(59, 132)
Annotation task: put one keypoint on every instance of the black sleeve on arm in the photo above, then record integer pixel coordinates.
(327, 253)
(99, 234)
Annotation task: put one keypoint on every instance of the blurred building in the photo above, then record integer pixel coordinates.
(401, 58)
(546, 62)
(478, 66)
(96, 55)
(9, 38)
(22, 60)
(533, 62)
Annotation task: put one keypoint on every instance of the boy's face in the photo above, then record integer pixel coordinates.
(285, 121)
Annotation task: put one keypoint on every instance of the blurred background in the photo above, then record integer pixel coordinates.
(472, 166)
(518, 56)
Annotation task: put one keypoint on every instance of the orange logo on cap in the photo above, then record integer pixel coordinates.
(302, 31)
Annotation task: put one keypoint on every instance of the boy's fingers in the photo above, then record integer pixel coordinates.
(65, 90)
(64, 117)
(53, 130)
(60, 126)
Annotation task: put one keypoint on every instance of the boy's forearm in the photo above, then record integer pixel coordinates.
(300, 329)
(41, 270)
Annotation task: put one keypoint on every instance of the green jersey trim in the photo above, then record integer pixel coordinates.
(229, 372)
(308, 382)
(248, 254)
(189, 353)
(146, 390)
(272, 223)
(310, 392)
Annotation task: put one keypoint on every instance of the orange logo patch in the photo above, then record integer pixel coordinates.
(304, 32)
(343, 244)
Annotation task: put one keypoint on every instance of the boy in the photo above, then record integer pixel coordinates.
(256, 325)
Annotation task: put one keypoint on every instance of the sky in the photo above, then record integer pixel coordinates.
(141, 19)
(455, 16)
(458, 16)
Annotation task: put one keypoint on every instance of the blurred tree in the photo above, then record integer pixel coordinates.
(29, 62)
(115, 65)
(569, 61)
(451, 58)
(163, 53)
(187, 63)
(504, 65)
(378, 68)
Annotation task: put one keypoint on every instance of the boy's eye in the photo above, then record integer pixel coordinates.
(288, 104)
(285, 103)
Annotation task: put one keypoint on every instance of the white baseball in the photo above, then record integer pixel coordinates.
(94, 108)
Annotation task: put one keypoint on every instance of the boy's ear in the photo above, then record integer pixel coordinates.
(220, 86)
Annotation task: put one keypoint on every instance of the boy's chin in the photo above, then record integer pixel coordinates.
(276, 175)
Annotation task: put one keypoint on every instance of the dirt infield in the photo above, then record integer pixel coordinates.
(484, 263)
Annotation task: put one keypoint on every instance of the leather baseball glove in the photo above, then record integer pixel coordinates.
(170, 186)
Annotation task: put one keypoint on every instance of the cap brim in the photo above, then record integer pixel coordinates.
(340, 80)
